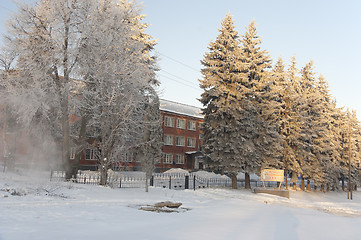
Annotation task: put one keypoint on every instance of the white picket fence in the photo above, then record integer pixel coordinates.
(137, 180)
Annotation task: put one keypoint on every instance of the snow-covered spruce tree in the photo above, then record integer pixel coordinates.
(330, 153)
(223, 144)
(337, 126)
(262, 106)
(316, 130)
(289, 118)
(351, 147)
(118, 72)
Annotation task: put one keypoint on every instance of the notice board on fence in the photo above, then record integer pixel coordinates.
(272, 175)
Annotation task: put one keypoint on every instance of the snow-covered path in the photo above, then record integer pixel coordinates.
(48, 210)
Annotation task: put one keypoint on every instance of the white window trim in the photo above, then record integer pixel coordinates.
(168, 121)
(166, 136)
(192, 125)
(168, 158)
(181, 143)
(179, 159)
(181, 123)
(193, 141)
(94, 154)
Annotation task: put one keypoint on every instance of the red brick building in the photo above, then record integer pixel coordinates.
(181, 136)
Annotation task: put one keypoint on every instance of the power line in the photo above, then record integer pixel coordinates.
(172, 79)
(179, 78)
(196, 70)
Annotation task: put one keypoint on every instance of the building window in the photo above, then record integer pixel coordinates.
(168, 140)
(180, 141)
(92, 154)
(192, 125)
(126, 157)
(191, 142)
(168, 158)
(180, 159)
(181, 123)
(72, 152)
(168, 121)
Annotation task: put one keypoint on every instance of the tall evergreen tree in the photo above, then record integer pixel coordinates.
(262, 105)
(289, 117)
(221, 98)
(316, 131)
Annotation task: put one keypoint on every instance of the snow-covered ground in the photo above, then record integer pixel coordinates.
(35, 208)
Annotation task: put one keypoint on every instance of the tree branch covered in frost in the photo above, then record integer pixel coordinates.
(89, 58)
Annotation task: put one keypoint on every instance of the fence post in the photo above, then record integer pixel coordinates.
(186, 183)
(170, 182)
(194, 182)
(152, 181)
(120, 182)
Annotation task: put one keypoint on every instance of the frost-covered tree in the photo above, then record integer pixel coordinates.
(289, 116)
(118, 72)
(262, 102)
(149, 150)
(100, 43)
(319, 148)
(350, 152)
(7, 59)
(45, 37)
(221, 99)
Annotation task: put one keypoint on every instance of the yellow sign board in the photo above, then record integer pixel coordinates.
(272, 175)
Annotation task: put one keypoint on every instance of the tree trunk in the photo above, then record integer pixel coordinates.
(148, 176)
(247, 181)
(5, 149)
(343, 184)
(234, 180)
(302, 184)
(308, 185)
(66, 137)
(103, 174)
(80, 146)
(286, 180)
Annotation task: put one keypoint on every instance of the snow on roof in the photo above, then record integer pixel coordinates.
(180, 108)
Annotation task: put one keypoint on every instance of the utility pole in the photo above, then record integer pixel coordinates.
(349, 187)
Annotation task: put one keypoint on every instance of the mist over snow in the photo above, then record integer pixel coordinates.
(35, 208)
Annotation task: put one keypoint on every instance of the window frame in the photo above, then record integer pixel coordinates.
(168, 158)
(170, 137)
(194, 140)
(93, 153)
(181, 160)
(190, 125)
(181, 123)
(183, 143)
(169, 121)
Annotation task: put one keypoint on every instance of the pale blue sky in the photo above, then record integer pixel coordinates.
(329, 32)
